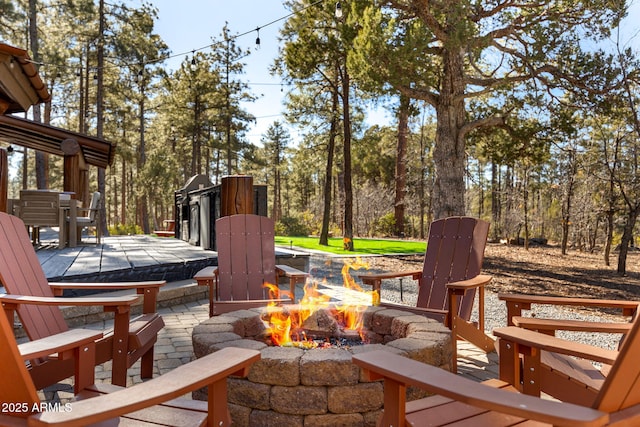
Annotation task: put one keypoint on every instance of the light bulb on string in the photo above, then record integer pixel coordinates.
(338, 12)
(193, 60)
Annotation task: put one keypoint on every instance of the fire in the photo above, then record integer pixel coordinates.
(286, 325)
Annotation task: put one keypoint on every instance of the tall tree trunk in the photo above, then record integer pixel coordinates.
(123, 191)
(195, 140)
(480, 189)
(112, 211)
(401, 165)
(277, 203)
(421, 185)
(566, 207)
(525, 203)
(100, 117)
(609, 238)
(566, 216)
(328, 175)
(42, 181)
(495, 200)
(348, 190)
(449, 153)
(627, 238)
(228, 110)
(144, 193)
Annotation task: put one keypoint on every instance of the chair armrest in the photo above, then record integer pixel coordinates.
(432, 313)
(517, 302)
(553, 344)
(206, 274)
(287, 271)
(552, 325)
(149, 289)
(375, 280)
(478, 281)
(58, 286)
(58, 343)
(211, 370)
(370, 278)
(400, 372)
(78, 345)
(295, 276)
(57, 301)
(88, 210)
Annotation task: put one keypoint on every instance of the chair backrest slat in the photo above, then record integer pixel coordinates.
(246, 256)
(455, 250)
(93, 205)
(621, 388)
(22, 274)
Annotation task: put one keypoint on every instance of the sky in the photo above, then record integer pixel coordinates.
(189, 25)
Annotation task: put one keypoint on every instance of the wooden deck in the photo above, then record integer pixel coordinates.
(125, 258)
(134, 258)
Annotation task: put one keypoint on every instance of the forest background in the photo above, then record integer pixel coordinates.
(523, 113)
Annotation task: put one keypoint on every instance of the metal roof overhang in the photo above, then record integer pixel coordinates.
(48, 139)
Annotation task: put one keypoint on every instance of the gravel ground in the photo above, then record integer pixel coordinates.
(327, 272)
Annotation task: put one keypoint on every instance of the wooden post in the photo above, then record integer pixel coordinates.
(74, 170)
(236, 195)
(4, 179)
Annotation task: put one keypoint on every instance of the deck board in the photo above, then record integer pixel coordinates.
(88, 260)
(113, 258)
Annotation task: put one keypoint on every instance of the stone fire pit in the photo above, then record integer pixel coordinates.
(316, 387)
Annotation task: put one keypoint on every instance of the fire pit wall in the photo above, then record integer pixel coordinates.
(317, 387)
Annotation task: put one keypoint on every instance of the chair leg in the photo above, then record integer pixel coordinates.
(146, 364)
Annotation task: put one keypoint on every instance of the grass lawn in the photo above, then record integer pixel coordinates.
(362, 246)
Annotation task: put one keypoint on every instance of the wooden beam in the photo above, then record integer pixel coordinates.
(48, 139)
(4, 179)
(4, 105)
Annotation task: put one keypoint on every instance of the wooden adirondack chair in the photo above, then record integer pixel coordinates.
(246, 262)
(495, 402)
(570, 377)
(449, 279)
(33, 299)
(152, 403)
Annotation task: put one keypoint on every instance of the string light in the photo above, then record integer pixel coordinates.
(338, 10)
(193, 60)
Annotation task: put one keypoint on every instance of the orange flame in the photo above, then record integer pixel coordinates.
(285, 324)
(355, 303)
